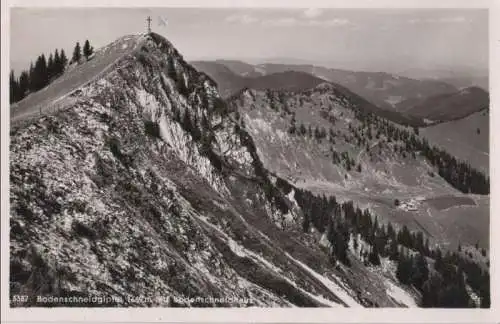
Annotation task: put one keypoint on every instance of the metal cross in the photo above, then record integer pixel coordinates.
(149, 24)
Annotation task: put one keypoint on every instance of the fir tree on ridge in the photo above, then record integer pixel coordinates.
(77, 53)
(87, 49)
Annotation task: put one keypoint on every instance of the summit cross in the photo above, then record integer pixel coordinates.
(149, 24)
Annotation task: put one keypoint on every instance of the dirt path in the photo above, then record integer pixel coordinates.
(51, 97)
(364, 150)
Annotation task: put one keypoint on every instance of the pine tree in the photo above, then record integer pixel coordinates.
(50, 67)
(431, 292)
(485, 291)
(374, 257)
(64, 61)
(393, 250)
(87, 49)
(420, 272)
(405, 238)
(44, 75)
(390, 231)
(77, 54)
(438, 264)
(24, 84)
(339, 237)
(14, 88)
(403, 272)
(57, 63)
(32, 77)
(39, 75)
(419, 242)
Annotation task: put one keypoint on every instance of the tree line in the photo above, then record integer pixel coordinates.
(442, 285)
(443, 280)
(44, 71)
(457, 173)
(343, 221)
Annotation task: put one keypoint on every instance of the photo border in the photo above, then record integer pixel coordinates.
(254, 315)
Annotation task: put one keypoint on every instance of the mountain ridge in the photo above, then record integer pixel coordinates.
(150, 184)
(296, 81)
(451, 106)
(385, 90)
(104, 103)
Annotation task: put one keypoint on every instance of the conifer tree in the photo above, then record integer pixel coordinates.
(420, 271)
(64, 61)
(393, 250)
(31, 75)
(374, 257)
(24, 84)
(427, 247)
(390, 231)
(50, 67)
(87, 49)
(14, 88)
(39, 75)
(43, 72)
(430, 291)
(77, 53)
(403, 272)
(57, 63)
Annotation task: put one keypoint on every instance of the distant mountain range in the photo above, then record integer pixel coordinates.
(460, 78)
(450, 106)
(397, 95)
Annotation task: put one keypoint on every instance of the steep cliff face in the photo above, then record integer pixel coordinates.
(147, 184)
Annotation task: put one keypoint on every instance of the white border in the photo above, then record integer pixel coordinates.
(386, 315)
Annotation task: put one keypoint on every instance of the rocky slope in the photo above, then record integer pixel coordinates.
(145, 183)
(227, 81)
(318, 140)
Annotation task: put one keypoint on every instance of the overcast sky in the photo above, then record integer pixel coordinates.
(373, 39)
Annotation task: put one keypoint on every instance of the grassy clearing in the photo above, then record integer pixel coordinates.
(446, 202)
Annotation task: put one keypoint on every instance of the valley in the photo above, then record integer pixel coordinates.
(378, 174)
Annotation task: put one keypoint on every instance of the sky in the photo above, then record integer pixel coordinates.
(359, 39)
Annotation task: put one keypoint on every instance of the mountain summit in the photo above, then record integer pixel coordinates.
(139, 180)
